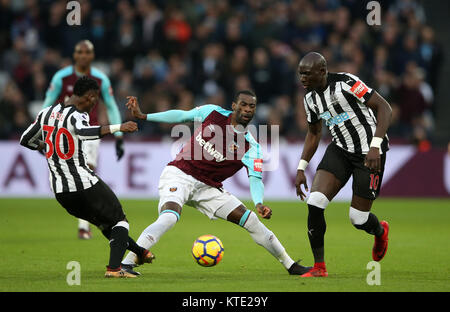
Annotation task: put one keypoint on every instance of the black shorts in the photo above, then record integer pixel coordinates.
(97, 204)
(343, 164)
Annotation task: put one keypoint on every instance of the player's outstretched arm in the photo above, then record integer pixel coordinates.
(309, 149)
(384, 114)
(86, 132)
(129, 126)
(170, 116)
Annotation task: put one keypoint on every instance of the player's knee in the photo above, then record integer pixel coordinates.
(358, 217)
(318, 199)
(171, 208)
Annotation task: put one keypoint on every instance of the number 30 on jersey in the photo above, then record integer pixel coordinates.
(57, 146)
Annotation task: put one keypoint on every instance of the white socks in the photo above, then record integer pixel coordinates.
(153, 233)
(264, 237)
(83, 225)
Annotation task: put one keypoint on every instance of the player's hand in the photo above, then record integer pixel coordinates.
(134, 108)
(119, 148)
(129, 126)
(264, 211)
(300, 180)
(373, 159)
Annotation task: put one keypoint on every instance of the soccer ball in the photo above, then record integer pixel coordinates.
(207, 250)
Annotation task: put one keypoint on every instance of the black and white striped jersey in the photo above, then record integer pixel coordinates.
(63, 129)
(342, 107)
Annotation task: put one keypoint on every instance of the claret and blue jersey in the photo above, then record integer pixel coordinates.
(216, 150)
(61, 87)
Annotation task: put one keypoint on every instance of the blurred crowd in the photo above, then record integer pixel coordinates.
(181, 54)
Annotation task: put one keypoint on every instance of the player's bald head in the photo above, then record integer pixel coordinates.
(83, 54)
(312, 71)
(313, 60)
(84, 44)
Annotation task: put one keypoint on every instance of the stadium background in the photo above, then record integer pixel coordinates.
(181, 54)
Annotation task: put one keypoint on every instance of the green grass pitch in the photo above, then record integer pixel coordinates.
(38, 239)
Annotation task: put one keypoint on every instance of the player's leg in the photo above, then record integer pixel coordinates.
(361, 217)
(132, 245)
(99, 206)
(90, 148)
(84, 229)
(170, 213)
(366, 188)
(216, 203)
(261, 235)
(174, 189)
(106, 212)
(325, 186)
(332, 174)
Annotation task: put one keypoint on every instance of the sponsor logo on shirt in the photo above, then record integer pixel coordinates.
(359, 89)
(330, 120)
(257, 165)
(209, 148)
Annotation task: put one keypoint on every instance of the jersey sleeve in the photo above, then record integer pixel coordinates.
(357, 88)
(203, 111)
(256, 189)
(82, 128)
(30, 137)
(111, 106)
(253, 159)
(311, 115)
(53, 91)
(175, 115)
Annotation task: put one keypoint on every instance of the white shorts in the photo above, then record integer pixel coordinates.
(90, 148)
(181, 188)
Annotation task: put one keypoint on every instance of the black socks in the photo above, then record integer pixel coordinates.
(118, 242)
(372, 226)
(316, 231)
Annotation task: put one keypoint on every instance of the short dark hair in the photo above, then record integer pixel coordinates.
(247, 92)
(83, 85)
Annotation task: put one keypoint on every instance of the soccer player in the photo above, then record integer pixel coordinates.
(219, 147)
(61, 88)
(358, 148)
(59, 131)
